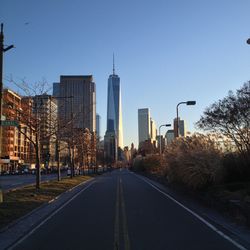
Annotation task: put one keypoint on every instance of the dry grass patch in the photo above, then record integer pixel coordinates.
(19, 202)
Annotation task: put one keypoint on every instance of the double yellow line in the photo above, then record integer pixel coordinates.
(120, 207)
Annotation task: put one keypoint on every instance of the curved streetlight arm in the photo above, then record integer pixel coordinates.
(177, 115)
(163, 125)
(177, 118)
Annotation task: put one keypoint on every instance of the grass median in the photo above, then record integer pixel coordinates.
(19, 202)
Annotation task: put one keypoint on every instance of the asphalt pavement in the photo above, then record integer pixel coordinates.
(124, 211)
(9, 182)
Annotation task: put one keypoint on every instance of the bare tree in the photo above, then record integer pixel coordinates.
(93, 151)
(80, 142)
(230, 117)
(32, 125)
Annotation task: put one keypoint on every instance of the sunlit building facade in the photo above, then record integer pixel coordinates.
(182, 127)
(16, 147)
(77, 100)
(153, 130)
(144, 125)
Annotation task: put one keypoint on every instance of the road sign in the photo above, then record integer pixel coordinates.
(9, 123)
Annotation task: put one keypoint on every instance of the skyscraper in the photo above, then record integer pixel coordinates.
(169, 136)
(98, 126)
(182, 127)
(144, 125)
(113, 138)
(153, 130)
(82, 105)
(114, 109)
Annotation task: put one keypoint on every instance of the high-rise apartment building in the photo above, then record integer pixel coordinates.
(144, 125)
(81, 108)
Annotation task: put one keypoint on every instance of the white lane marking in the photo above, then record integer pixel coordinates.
(195, 215)
(49, 217)
(18, 183)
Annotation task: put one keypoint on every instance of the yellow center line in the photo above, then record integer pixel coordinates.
(124, 220)
(120, 205)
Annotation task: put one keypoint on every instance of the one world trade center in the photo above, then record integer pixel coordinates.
(114, 110)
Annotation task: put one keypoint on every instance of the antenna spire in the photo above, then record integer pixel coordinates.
(113, 64)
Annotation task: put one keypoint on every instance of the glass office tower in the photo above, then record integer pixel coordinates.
(114, 109)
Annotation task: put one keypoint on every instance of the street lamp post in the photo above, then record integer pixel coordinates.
(163, 125)
(177, 115)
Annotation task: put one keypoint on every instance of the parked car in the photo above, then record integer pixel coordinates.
(68, 172)
(25, 170)
(5, 172)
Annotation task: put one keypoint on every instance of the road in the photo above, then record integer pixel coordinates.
(9, 182)
(123, 211)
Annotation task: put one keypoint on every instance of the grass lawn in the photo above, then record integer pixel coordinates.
(21, 201)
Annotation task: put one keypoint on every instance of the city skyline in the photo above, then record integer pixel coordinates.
(118, 157)
(167, 52)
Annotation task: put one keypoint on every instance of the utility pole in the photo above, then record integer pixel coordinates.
(1, 83)
(2, 50)
(72, 155)
(1, 78)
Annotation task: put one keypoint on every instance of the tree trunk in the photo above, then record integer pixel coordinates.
(58, 161)
(38, 172)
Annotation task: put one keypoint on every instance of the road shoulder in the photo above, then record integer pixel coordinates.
(238, 233)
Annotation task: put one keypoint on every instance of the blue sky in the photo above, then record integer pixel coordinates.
(166, 51)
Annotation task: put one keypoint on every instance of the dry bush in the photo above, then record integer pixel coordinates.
(150, 163)
(194, 161)
(236, 167)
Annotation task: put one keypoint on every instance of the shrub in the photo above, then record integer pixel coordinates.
(138, 164)
(236, 167)
(150, 163)
(194, 161)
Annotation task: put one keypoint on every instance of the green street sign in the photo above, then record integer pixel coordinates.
(9, 123)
